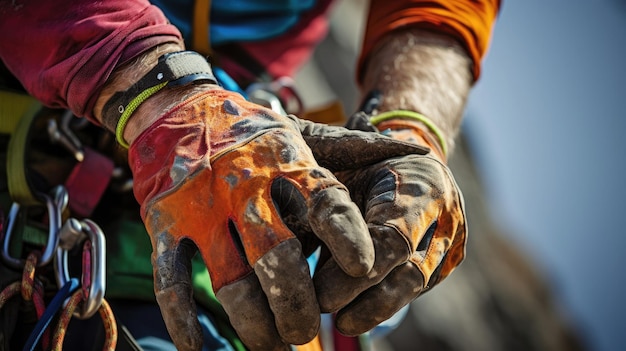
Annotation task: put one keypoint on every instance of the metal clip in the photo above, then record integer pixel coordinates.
(73, 230)
(280, 95)
(71, 234)
(55, 208)
(267, 99)
(65, 136)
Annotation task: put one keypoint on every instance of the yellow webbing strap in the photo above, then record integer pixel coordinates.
(313, 345)
(200, 35)
(12, 108)
(16, 153)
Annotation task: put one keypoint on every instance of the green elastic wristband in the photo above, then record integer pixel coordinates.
(130, 108)
(416, 116)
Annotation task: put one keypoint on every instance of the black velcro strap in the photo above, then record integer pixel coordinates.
(176, 68)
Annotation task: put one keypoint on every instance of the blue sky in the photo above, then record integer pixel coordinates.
(548, 122)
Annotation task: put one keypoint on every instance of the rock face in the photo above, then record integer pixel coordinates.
(496, 300)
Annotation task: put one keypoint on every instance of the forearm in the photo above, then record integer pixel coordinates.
(425, 55)
(421, 71)
(63, 52)
(154, 107)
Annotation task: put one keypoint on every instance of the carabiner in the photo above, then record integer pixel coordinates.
(55, 208)
(284, 94)
(97, 271)
(267, 99)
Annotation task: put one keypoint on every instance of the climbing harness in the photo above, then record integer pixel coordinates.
(88, 291)
(47, 235)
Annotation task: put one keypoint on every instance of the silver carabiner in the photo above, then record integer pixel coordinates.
(267, 99)
(277, 88)
(55, 208)
(71, 233)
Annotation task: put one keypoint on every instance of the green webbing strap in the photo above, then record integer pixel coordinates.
(34, 235)
(26, 233)
(16, 156)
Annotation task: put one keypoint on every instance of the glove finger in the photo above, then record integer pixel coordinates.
(431, 262)
(292, 208)
(266, 243)
(335, 289)
(417, 196)
(284, 275)
(250, 315)
(381, 301)
(439, 253)
(337, 221)
(228, 256)
(339, 149)
(173, 290)
(315, 200)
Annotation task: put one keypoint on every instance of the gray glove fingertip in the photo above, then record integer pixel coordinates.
(174, 292)
(382, 301)
(179, 313)
(284, 275)
(335, 289)
(338, 222)
(250, 314)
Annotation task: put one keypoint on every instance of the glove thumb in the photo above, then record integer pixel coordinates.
(340, 149)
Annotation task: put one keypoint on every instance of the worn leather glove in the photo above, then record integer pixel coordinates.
(240, 183)
(414, 211)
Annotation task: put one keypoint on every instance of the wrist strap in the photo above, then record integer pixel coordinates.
(416, 116)
(172, 69)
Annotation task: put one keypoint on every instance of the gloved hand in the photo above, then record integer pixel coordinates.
(239, 182)
(414, 211)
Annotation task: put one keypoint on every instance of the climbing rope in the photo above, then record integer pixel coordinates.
(108, 320)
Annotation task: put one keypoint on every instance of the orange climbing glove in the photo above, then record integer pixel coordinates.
(240, 184)
(414, 211)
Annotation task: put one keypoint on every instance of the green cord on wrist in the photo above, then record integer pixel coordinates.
(416, 116)
(130, 108)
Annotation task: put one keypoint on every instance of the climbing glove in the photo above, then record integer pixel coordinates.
(238, 183)
(414, 212)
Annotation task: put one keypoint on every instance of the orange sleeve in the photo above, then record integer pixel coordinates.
(469, 21)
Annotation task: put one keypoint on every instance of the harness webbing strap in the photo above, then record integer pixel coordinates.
(16, 168)
(313, 345)
(200, 37)
(12, 107)
(331, 113)
(88, 181)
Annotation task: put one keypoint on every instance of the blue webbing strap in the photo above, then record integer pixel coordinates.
(55, 305)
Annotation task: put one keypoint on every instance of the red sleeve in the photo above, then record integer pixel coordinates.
(63, 51)
(469, 21)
